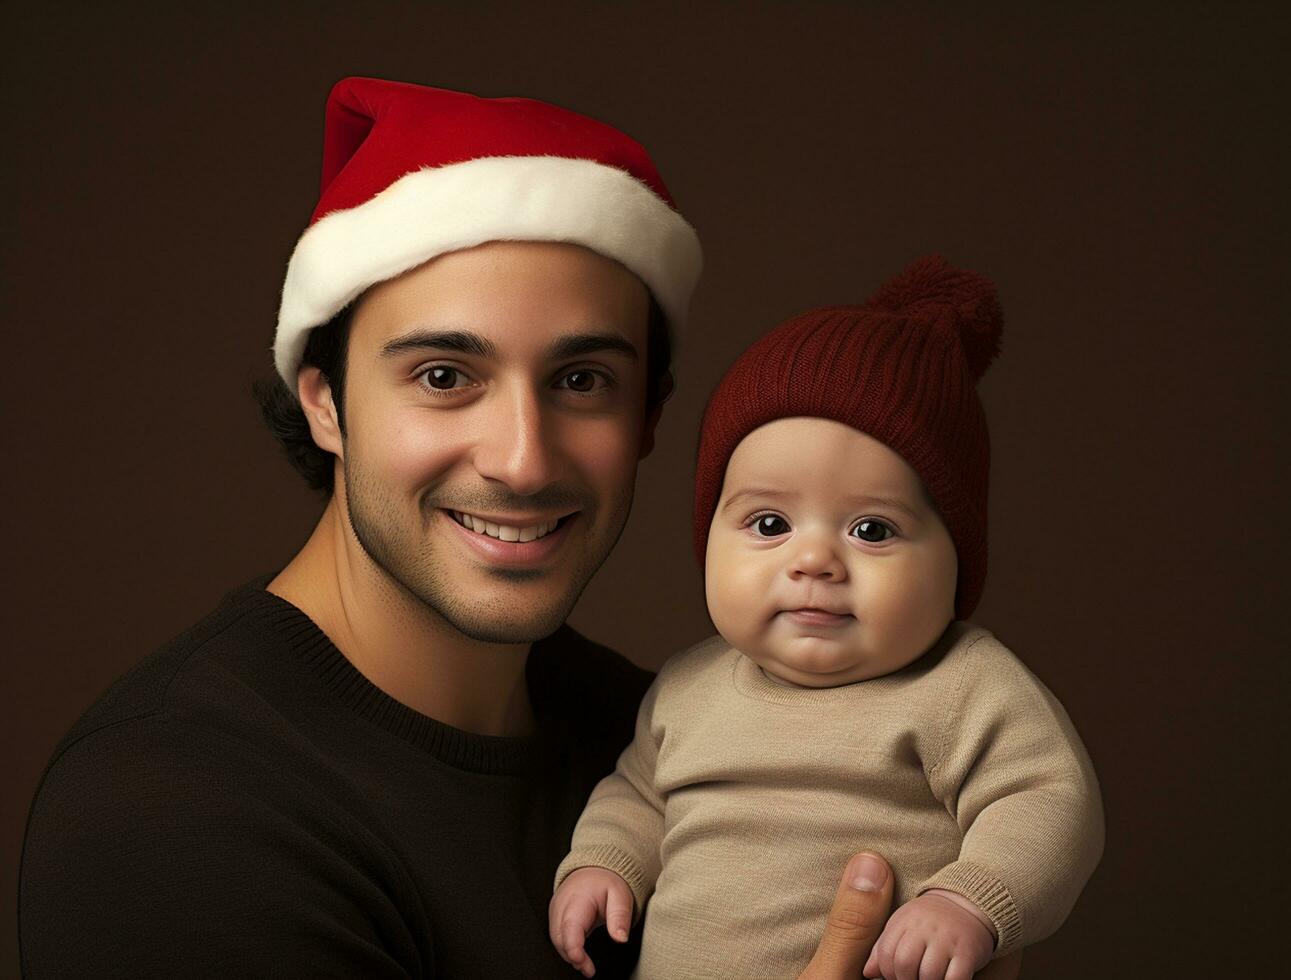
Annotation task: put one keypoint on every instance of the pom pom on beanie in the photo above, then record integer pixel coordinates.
(947, 298)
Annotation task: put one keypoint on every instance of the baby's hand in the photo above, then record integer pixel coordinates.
(937, 936)
(588, 897)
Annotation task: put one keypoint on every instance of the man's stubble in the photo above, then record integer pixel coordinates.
(402, 545)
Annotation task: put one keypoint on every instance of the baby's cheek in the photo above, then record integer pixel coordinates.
(721, 610)
(733, 600)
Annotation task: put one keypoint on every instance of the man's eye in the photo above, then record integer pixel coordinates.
(582, 381)
(442, 378)
(770, 525)
(873, 531)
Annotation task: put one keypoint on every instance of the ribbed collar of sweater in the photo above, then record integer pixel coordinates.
(486, 754)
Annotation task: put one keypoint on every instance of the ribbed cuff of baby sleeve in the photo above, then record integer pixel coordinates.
(613, 859)
(988, 893)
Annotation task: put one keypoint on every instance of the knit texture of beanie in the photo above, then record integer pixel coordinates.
(902, 368)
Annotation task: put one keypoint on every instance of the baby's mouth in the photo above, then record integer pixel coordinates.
(815, 616)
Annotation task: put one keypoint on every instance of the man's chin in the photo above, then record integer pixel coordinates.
(504, 616)
(509, 630)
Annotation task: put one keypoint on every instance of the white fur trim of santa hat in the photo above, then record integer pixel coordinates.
(437, 210)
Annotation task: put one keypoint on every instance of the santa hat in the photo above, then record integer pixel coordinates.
(903, 368)
(411, 172)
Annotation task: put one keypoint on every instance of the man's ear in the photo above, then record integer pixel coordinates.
(652, 416)
(315, 394)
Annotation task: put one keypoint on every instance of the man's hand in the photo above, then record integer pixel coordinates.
(585, 899)
(860, 909)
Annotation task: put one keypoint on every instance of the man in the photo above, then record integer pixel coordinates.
(369, 764)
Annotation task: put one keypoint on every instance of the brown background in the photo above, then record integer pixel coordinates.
(1120, 172)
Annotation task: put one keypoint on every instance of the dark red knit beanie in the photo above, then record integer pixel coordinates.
(903, 368)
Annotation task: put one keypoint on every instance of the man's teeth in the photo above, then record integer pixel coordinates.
(503, 532)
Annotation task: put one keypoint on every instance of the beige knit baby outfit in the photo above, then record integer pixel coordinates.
(738, 803)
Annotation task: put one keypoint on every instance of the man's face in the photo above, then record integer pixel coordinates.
(494, 406)
(826, 562)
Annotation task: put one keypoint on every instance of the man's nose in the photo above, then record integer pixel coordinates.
(816, 555)
(515, 445)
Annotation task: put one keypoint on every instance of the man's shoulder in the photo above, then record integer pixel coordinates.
(151, 686)
(222, 698)
(195, 754)
(188, 793)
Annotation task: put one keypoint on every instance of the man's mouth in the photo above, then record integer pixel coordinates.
(505, 532)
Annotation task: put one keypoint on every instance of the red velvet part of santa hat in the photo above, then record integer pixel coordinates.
(411, 172)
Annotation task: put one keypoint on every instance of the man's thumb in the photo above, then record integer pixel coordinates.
(860, 910)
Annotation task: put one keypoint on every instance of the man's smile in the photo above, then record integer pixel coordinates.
(509, 541)
(504, 531)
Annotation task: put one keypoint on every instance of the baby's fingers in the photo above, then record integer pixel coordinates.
(880, 963)
(570, 923)
(937, 958)
(908, 956)
(571, 948)
(618, 913)
(960, 968)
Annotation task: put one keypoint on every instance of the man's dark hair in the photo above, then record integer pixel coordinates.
(326, 348)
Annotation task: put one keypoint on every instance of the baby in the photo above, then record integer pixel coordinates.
(846, 704)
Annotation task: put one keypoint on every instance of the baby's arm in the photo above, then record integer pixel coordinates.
(1015, 776)
(614, 859)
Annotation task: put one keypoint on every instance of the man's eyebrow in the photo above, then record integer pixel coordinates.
(451, 341)
(581, 344)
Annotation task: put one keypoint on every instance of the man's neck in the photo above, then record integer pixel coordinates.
(398, 643)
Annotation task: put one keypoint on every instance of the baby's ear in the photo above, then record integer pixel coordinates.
(653, 413)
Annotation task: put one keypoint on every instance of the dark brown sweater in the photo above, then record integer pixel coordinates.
(245, 804)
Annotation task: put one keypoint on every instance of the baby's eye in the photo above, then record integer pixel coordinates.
(443, 378)
(873, 531)
(770, 525)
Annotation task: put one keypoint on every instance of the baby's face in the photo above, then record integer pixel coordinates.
(826, 562)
